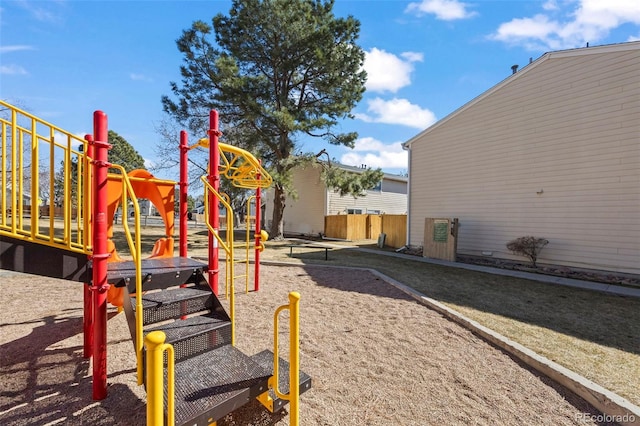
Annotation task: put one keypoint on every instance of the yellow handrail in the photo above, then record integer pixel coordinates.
(294, 357)
(247, 222)
(156, 346)
(228, 261)
(227, 246)
(242, 168)
(31, 149)
(136, 253)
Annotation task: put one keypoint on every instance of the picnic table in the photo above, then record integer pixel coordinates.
(311, 246)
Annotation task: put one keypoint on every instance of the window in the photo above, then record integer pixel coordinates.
(354, 211)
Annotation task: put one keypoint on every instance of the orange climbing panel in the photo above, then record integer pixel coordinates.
(161, 193)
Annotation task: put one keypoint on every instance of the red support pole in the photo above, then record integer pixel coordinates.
(214, 211)
(256, 269)
(184, 150)
(100, 255)
(87, 326)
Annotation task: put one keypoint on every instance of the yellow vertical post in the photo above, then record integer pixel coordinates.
(20, 170)
(231, 254)
(294, 361)
(3, 173)
(155, 344)
(14, 169)
(247, 223)
(35, 181)
(68, 191)
(52, 166)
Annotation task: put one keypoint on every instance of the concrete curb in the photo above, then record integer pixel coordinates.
(616, 408)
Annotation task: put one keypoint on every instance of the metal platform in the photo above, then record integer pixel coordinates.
(39, 259)
(157, 273)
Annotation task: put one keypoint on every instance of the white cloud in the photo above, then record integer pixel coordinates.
(588, 21)
(445, 10)
(376, 154)
(15, 48)
(12, 70)
(372, 144)
(397, 111)
(44, 11)
(388, 72)
(139, 77)
(412, 56)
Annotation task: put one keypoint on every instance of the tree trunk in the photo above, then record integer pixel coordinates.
(277, 222)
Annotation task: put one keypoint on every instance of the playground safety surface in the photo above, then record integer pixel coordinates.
(376, 356)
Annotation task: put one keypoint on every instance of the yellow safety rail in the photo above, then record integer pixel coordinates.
(241, 168)
(156, 346)
(228, 261)
(42, 161)
(39, 162)
(135, 248)
(230, 269)
(226, 245)
(248, 241)
(294, 361)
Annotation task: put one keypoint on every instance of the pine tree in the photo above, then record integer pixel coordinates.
(279, 71)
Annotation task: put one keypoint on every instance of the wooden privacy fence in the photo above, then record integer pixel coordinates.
(367, 227)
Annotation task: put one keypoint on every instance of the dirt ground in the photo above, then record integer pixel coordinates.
(376, 357)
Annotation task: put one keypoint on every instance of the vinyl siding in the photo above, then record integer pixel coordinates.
(394, 186)
(305, 215)
(567, 127)
(385, 202)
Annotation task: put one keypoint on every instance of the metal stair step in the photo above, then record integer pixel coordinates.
(195, 335)
(265, 359)
(215, 383)
(157, 273)
(175, 303)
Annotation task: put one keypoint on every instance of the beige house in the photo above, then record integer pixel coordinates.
(305, 215)
(553, 151)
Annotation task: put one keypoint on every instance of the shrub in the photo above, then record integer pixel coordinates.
(528, 246)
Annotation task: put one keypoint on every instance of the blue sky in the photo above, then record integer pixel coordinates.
(63, 59)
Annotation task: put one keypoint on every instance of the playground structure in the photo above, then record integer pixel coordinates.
(176, 321)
